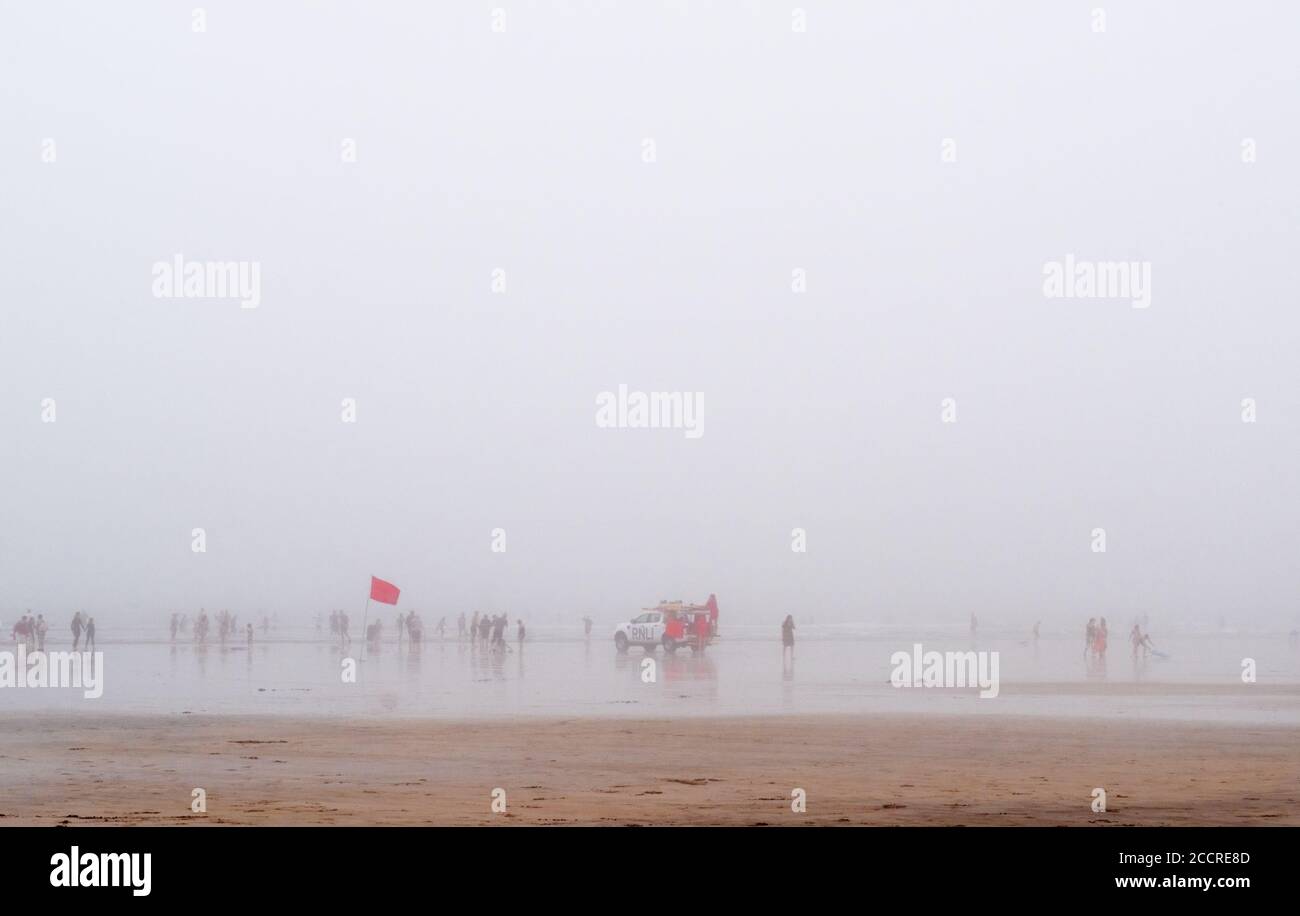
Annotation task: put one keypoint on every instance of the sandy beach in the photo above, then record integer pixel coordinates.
(856, 770)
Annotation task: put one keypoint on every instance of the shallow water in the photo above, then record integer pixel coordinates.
(558, 673)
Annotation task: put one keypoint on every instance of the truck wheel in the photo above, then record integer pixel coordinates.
(620, 642)
(670, 644)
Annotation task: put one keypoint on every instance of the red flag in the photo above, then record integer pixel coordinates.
(383, 592)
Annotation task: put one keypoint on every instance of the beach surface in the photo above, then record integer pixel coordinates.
(74, 769)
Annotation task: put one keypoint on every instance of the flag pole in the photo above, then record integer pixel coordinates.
(364, 616)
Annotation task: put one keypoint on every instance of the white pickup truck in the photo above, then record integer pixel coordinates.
(671, 624)
(646, 630)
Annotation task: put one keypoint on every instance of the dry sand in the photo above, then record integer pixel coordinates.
(876, 770)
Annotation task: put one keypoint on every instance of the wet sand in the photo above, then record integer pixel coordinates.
(861, 770)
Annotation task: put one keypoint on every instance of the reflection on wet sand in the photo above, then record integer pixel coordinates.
(1191, 679)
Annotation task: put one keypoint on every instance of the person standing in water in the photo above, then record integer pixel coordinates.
(787, 635)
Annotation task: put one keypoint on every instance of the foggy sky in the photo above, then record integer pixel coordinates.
(776, 150)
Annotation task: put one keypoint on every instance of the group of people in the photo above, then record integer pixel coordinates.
(30, 632)
(227, 626)
(83, 627)
(412, 627)
(483, 629)
(1097, 636)
(488, 630)
(1095, 639)
(339, 626)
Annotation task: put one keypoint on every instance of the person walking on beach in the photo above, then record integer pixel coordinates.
(442, 628)
(521, 632)
(1090, 637)
(18, 633)
(787, 635)
(90, 635)
(473, 628)
(460, 626)
(41, 627)
(1100, 646)
(401, 625)
(586, 627)
(1036, 625)
(76, 630)
(175, 624)
(248, 629)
